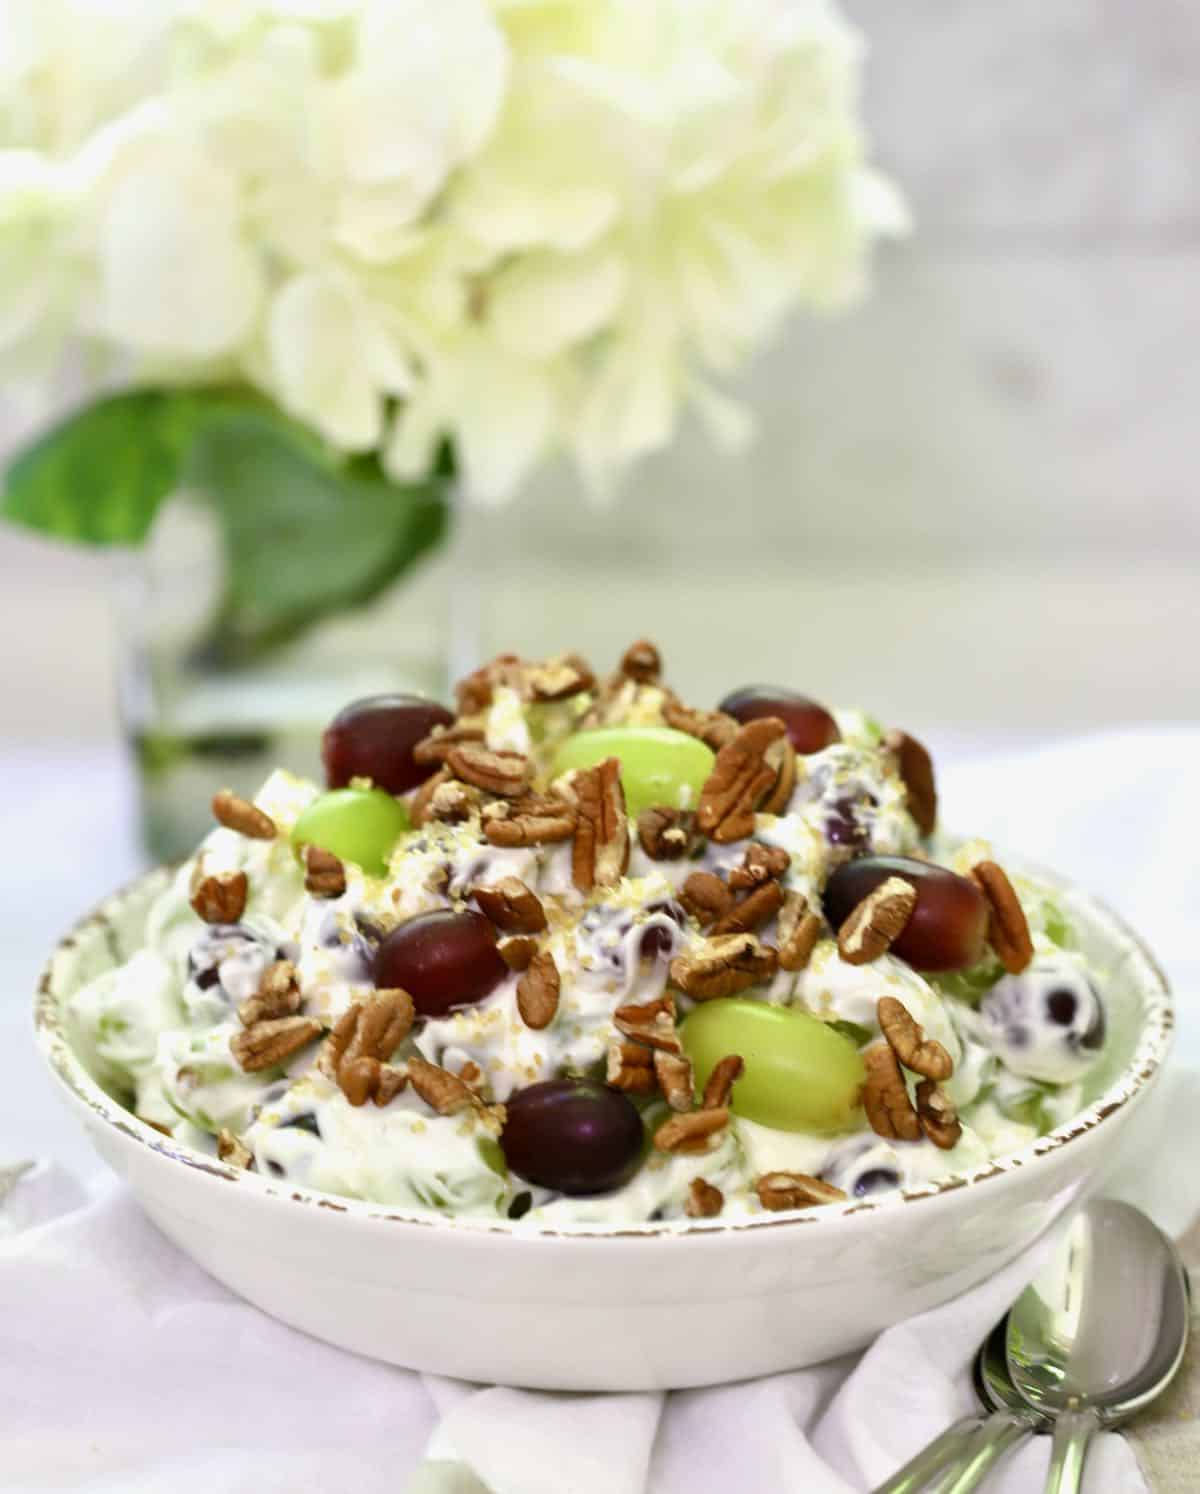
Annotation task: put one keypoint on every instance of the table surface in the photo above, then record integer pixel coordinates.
(72, 813)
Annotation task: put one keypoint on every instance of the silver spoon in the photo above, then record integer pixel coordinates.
(979, 1440)
(1100, 1332)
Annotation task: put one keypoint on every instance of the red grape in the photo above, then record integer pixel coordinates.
(949, 924)
(576, 1136)
(810, 727)
(374, 738)
(442, 959)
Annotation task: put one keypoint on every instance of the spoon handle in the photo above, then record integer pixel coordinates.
(999, 1432)
(1072, 1433)
(931, 1460)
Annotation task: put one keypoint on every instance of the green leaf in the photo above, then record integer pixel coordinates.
(99, 475)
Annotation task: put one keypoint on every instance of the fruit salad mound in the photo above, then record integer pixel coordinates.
(581, 950)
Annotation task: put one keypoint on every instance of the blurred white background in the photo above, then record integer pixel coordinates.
(973, 500)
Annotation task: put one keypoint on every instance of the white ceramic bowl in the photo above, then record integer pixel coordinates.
(648, 1307)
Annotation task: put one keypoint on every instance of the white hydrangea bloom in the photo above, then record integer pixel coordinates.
(527, 227)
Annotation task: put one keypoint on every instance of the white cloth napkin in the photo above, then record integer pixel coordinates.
(124, 1369)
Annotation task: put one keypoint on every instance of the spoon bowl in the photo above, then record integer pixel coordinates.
(1100, 1332)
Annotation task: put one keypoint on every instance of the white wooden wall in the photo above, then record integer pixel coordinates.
(974, 500)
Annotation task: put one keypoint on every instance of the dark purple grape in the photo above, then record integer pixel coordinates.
(442, 959)
(661, 939)
(374, 738)
(949, 924)
(576, 1136)
(1062, 1006)
(810, 726)
(875, 1180)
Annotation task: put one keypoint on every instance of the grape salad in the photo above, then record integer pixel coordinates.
(579, 951)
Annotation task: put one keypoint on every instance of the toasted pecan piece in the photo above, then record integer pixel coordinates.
(503, 773)
(236, 813)
(439, 1088)
(906, 1037)
(723, 967)
(601, 850)
(885, 1096)
(278, 995)
(782, 756)
(271, 1041)
(533, 820)
(517, 953)
(749, 913)
(232, 1149)
(795, 1190)
(642, 662)
(324, 874)
(538, 991)
(799, 930)
(1008, 928)
(630, 1067)
(938, 1116)
(559, 678)
(704, 1201)
(714, 728)
(365, 1036)
(432, 751)
(916, 772)
(219, 897)
(693, 1132)
(742, 778)
(705, 897)
(674, 1075)
(761, 863)
(720, 1083)
(650, 1022)
(511, 906)
(667, 834)
(877, 922)
(473, 694)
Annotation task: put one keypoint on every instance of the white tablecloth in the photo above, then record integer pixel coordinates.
(125, 1368)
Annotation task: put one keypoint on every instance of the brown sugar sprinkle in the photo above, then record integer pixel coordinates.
(721, 1081)
(220, 897)
(693, 1132)
(1008, 928)
(795, 1190)
(324, 874)
(906, 1037)
(877, 922)
(758, 906)
(704, 1201)
(236, 813)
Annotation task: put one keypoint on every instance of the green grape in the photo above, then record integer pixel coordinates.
(355, 824)
(800, 1074)
(658, 765)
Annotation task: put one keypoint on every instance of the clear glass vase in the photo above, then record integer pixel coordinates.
(196, 723)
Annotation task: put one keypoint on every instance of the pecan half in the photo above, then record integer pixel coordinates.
(692, 1132)
(906, 1037)
(721, 1081)
(517, 953)
(705, 897)
(752, 911)
(221, 897)
(877, 922)
(530, 821)
(668, 834)
(938, 1117)
(704, 1201)
(511, 906)
(474, 693)
(559, 678)
(630, 1067)
(439, 1088)
(1008, 928)
(538, 990)
(324, 874)
(794, 1190)
(432, 751)
(366, 1035)
(760, 864)
(503, 773)
(799, 930)
(782, 756)
(278, 995)
(642, 662)
(236, 813)
(601, 850)
(916, 772)
(741, 779)
(419, 804)
(270, 1042)
(714, 728)
(723, 967)
(651, 1023)
(674, 1075)
(232, 1149)
(885, 1096)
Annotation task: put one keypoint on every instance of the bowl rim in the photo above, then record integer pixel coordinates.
(1145, 1063)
